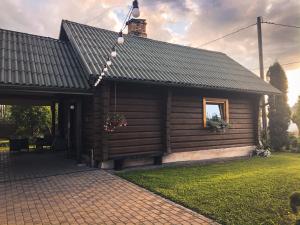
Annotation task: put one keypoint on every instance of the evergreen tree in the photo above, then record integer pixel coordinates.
(279, 111)
(296, 114)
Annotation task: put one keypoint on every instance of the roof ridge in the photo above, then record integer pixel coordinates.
(33, 35)
(147, 39)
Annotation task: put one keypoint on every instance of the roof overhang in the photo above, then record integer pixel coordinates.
(43, 90)
(186, 85)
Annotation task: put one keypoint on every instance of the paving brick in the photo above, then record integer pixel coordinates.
(81, 197)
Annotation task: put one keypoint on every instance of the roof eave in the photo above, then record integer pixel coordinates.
(45, 90)
(173, 84)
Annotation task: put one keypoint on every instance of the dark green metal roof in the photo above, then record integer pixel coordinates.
(143, 59)
(30, 61)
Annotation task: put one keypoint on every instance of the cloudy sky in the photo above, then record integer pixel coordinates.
(186, 22)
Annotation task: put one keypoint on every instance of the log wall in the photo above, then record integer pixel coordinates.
(167, 120)
(143, 109)
(188, 134)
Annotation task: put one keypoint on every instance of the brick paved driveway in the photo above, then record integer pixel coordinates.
(86, 197)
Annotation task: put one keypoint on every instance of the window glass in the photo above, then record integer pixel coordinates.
(214, 111)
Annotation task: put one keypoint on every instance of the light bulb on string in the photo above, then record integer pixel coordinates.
(120, 38)
(135, 9)
(108, 62)
(114, 52)
(105, 69)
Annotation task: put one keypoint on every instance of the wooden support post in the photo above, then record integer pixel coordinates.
(78, 129)
(257, 125)
(97, 124)
(53, 117)
(168, 121)
(105, 95)
(61, 118)
(261, 71)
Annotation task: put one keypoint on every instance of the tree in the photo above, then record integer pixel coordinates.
(296, 114)
(31, 121)
(279, 111)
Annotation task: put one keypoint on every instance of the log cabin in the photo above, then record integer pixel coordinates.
(166, 92)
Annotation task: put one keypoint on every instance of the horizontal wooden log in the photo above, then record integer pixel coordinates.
(239, 106)
(176, 133)
(134, 142)
(138, 108)
(212, 143)
(240, 111)
(240, 121)
(134, 94)
(212, 136)
(135, 122)
(135, 101)
(134, 135)
(186, 121)
(241, 116)
(139, 128)
(187, 104)
(132, 149)
(186, 116)
(179, 109)
(140, 115)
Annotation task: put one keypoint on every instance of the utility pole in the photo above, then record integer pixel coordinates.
(261, 71)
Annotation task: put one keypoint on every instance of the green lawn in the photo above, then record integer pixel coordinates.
(253, 191)
(4, 145)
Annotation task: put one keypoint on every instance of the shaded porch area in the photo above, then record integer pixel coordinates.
(20, 166)
(65, 130)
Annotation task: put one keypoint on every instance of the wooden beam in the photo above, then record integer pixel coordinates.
(168, 127)
(227, 110)
(53, 117)
(97, 124)
(61, 118)
(105, 96)
(78, 129)
(204, 111)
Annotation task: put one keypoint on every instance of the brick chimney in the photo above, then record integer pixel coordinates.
(137, 27)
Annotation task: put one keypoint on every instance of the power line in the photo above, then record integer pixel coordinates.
(226, 35)
(285, 64)
(280, 24)
(126, 19)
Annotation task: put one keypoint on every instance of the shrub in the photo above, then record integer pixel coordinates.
(295, 201)
(262, 152)
(293, 143)
(217, 124)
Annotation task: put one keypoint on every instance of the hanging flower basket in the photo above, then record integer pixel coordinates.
(113, 121)
(217, 125)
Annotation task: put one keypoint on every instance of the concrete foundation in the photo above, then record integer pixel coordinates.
(209, 154)
(201, 155)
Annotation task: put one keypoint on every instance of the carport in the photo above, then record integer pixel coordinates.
(42, 71)
(69, 115)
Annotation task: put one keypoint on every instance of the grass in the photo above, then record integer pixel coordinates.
(254, 191)
(4, 145)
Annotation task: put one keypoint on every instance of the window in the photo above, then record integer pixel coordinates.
(215, 108)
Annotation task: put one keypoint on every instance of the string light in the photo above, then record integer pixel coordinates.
(120, 38)
(113, 52)
(135, 12)
(105, 69)
(108, 62)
